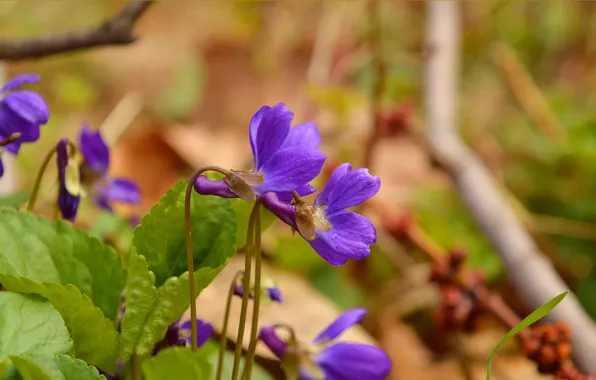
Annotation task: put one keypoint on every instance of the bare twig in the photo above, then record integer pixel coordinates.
(528, 269)
(118, 30)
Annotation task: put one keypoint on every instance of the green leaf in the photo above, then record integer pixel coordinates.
(172, 301)
(30, 325)
(161, 235)
(14, 200)
(43, 251)
(160, 238)
(179, 361)
(185, 92)
(527, 321)
(242, 209)
(95, 338)
(59, 367)
(210, 351)
(141, 294)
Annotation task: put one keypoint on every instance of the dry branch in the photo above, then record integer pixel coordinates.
(118, 30)
(528, 269)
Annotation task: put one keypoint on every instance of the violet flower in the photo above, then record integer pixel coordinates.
(69, 196)
(269, 288)
(91, 176)
(22, 112)
(285, 159)
(336, 361)
(94, 173)
(335, 234)
(179, 334)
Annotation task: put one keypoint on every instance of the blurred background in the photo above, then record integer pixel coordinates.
(182, 97)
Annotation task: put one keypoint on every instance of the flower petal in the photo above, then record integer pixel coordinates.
(121, 190)
(67, 203)
(20, 80)
(350, 189)
(327, 253)
(29, 105)
(290, 169)
(255, 121)
(354, 361)
(283, 210)
(268, 336)
(1, 168)
(204, 332)
(11, 122)
(351, 235)
(205, 186)
(94, 149)
(339, 172)
(271, 131)
(303, 191)
(305, 135)
(341, 324)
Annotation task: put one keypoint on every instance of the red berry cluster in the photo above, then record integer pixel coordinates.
(460, 293)
(569, 372)
(549, 345)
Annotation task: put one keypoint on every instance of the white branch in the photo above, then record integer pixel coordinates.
(529, 271)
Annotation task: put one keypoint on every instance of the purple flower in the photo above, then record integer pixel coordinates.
(179, 334)
(94, 173)
(285, 159)
(335, 234)
(68, 199)
(270, 290)
(337, 361)
(22, 112)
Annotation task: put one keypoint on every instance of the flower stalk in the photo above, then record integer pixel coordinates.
(41, 172)
(224, 330)
(257, 295)
(189, 251)
(246, 284)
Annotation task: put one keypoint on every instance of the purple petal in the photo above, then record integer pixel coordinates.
(67, 203)
(29, 105)
(327, 253)
(351, 235)
(1, 168)
(204, 331)
(254, 127)
(11, 122)
(290, 168)
(353, 361)
(283, 210)
(239, 291)
(272, 129)
(121, 190)
(220, 187)
(20, 80)
(94, 149)
(274, 294)
(268, 336)
(303, 191)
(348, 190)
(305, 135)
(339, 172)
(341, 324)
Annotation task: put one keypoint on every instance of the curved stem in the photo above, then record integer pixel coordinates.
(246, 283)
(37, 185)
(224, 330)
(189, 252)
(257, 297)
(10, 139)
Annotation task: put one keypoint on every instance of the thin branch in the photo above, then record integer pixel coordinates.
(118, 30)
(528, 270)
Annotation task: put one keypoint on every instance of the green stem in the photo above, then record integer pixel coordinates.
(189, 253)
(37, 185)
(246, 283)
(134, 367)
(224, 330)
(257, 299)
